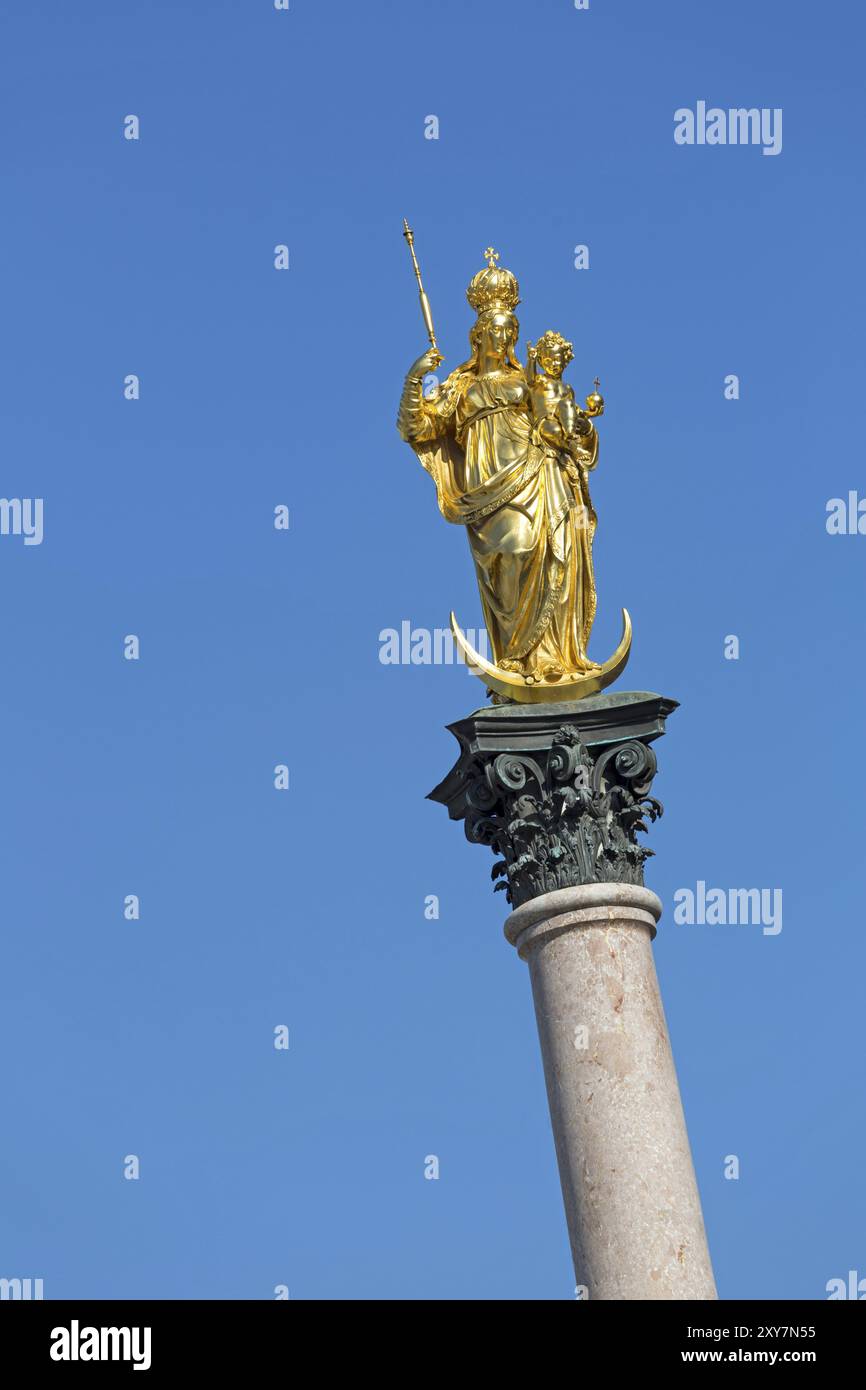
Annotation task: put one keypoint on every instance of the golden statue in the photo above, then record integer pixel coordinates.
(510, 452)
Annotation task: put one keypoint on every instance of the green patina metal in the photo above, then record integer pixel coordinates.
(559, 792)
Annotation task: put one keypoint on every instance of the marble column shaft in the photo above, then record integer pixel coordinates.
(628, 1183)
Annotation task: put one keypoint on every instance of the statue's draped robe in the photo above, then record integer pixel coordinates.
(527, 512)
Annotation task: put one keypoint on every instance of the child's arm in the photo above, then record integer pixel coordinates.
(531, 369)
(568, 411)
(575, 421)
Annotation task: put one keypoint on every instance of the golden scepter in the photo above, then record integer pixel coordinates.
(425, 302)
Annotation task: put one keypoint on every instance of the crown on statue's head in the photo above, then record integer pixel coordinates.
(493, 287)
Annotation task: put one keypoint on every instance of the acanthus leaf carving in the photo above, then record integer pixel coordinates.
(564, 819)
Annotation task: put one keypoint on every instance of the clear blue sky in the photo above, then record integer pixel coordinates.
(258, 387)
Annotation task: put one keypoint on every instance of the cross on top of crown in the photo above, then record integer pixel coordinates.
(491, 257)
(596, 383)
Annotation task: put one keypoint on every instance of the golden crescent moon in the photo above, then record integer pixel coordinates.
(515, 687)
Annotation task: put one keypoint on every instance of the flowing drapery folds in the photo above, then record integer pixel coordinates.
(526, 508)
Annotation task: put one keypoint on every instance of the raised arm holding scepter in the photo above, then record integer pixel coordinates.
(422, 295)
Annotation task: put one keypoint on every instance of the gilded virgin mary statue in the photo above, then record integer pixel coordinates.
(510, 453)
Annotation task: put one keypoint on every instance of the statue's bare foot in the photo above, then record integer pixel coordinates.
(511, 663)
